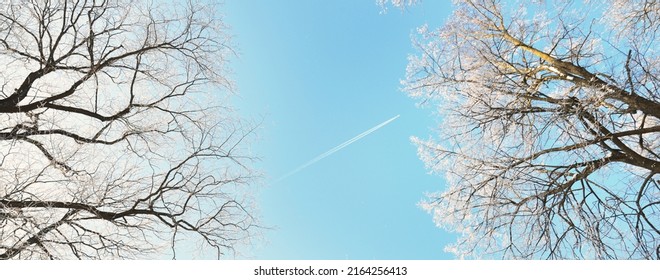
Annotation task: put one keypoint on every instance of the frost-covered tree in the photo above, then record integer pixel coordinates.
(550, 135)
(115, 137)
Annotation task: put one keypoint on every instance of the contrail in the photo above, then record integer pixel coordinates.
(337, 148)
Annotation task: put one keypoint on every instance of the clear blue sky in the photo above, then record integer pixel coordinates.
(319, 73)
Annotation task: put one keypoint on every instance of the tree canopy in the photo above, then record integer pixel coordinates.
(550, 133)
(116, 138)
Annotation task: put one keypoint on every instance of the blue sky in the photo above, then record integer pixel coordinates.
(319, 73)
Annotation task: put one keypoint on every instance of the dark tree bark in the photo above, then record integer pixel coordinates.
(115, 139)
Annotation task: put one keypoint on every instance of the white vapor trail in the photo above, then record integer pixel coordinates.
(337, 148)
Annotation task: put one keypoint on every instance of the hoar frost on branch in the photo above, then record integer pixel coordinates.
(550, 136)
(115, 137)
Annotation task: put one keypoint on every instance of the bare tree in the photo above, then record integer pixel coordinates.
(550, 135)
(115, 137)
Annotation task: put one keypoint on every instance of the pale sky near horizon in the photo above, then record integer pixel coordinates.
(320, 73)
